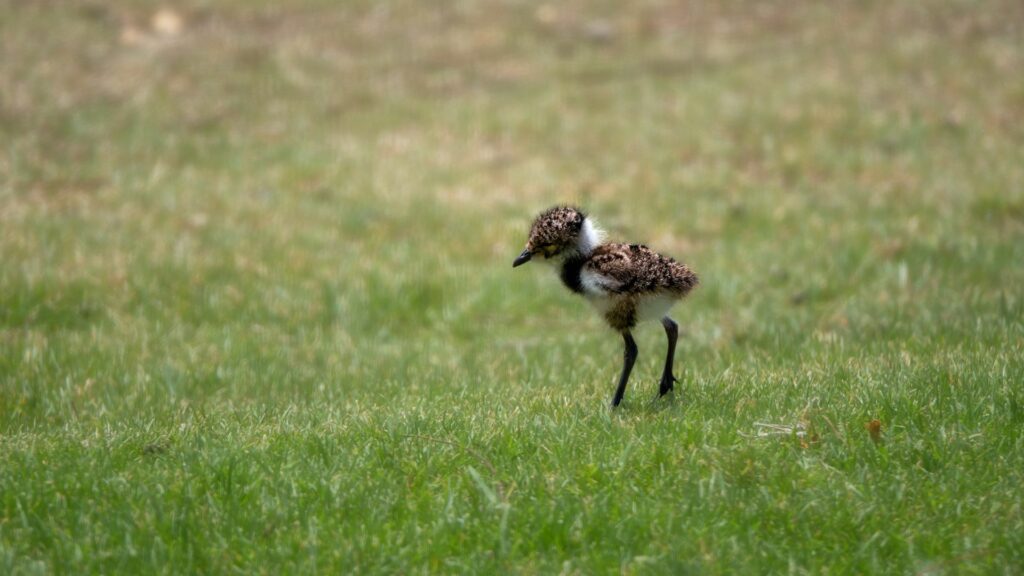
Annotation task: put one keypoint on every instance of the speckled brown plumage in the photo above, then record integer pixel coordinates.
(639, 270)
(627, 283)
(556, 227)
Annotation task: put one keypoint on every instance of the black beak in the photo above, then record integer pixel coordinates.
(522, 259)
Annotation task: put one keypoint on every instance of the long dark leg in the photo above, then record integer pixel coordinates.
(628, 358)
(667, 379)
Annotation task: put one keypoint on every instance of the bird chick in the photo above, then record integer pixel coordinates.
(626, 283)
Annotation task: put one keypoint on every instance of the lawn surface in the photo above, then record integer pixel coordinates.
(258, 315)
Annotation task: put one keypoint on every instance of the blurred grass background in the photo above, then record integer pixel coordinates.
(257, 311)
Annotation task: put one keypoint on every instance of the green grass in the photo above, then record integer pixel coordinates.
(257, 311)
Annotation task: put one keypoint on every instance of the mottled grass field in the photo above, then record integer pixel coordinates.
(258, 315)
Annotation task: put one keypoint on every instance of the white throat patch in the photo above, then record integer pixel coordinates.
(590, 237)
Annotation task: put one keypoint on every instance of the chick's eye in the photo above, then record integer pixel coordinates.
(549, 250)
